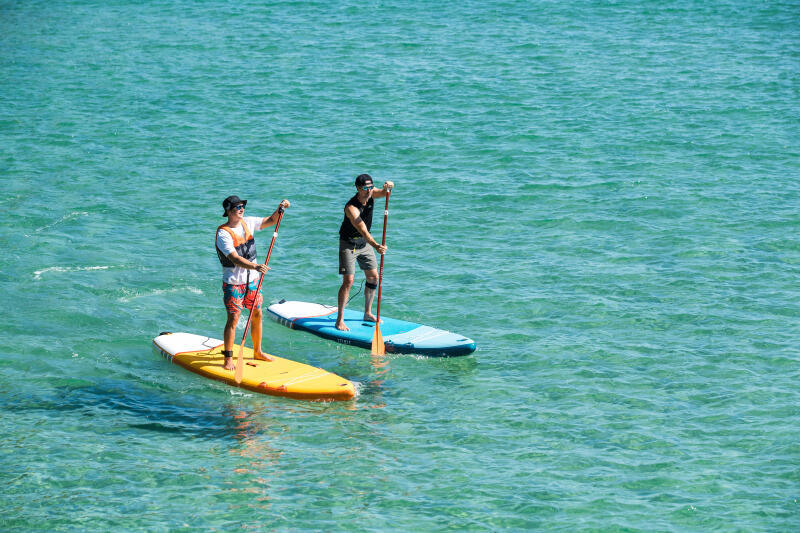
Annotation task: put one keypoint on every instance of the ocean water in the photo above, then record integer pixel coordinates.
(604, 195)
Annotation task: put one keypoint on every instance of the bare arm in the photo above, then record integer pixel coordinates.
(273, 218)
(240, 261)
(386, 191)
(355, 219)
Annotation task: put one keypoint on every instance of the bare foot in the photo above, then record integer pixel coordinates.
(229, 364)
(263, 357)
(341, 326)
(369, 317)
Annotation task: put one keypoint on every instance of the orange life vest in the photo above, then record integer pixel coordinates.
(245, 246)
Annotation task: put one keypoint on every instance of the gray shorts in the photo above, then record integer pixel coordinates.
(348, 255)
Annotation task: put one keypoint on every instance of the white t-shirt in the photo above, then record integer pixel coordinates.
(237, 275)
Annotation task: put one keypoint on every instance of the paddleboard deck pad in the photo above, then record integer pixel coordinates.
(399, 336)
(281, 377)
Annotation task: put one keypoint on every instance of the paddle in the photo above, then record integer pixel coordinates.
(240, 359)
(378, 347)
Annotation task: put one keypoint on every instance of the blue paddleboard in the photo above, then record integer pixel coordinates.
(399, 336)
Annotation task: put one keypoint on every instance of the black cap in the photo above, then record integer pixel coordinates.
(231, 201)
(362, 180)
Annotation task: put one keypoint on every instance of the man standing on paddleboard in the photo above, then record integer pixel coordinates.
(236, 249)
(354, 237)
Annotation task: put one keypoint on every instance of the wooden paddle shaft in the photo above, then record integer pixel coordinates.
(239, 369)
(261, 279)
(383, 243)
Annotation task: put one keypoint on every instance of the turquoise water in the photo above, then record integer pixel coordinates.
(603, 195)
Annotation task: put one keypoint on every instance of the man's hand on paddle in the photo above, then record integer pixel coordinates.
(262, 268)
(386, 191)
(273, 218)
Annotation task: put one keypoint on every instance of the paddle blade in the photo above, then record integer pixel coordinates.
(237, 376)
(378, 347)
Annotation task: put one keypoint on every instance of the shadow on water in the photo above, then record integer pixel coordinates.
(130, 406)
(121, 405)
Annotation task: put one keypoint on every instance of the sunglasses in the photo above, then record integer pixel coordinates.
(237, 207)
(367, 187)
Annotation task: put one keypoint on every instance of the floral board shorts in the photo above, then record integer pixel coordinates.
(236, 297)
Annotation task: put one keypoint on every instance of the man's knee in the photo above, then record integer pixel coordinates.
(347, 282)
(233, 318)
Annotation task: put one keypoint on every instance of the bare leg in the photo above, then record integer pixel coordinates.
(255, 335)
(369, 295)
(229, 337)
(344, 292)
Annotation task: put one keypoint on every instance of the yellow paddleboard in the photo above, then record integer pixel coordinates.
(281, 377)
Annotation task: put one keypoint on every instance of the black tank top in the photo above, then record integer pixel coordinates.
(347, 231)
